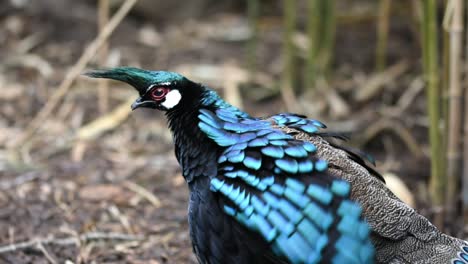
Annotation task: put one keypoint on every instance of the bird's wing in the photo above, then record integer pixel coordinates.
(399, 233)
(276, 186)
(312, 127)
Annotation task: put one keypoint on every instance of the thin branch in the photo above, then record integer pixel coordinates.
(27, 177)
(377, 82)
(398, 129)
(100, 125)
(74, 72)
(155, 201)
(406, 99)
(87, 237)
(46, 253)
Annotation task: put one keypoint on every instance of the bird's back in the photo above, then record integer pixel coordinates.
(399, 233)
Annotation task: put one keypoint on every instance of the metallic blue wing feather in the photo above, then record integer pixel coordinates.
(275, 185)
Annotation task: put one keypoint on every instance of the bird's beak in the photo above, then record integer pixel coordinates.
(138, 102)
(141, 103)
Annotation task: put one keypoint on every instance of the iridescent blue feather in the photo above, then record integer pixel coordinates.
(462, 257)
(261, 177)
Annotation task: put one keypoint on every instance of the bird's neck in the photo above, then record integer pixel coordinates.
(195, 152)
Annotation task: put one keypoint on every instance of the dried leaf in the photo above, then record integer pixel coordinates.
(100, 192)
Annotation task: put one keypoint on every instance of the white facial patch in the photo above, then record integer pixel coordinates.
(172, 99)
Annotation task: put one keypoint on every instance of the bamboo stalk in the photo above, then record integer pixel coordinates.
(321, 30)
(287, 89)
(455, 107)
(430, 54)
(444, 95)
(382, 35)
(252, 14)
(464, 189)
(328, 36)
(103, 84)
(313, 31)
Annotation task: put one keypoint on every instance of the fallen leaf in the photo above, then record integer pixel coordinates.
(101, 192)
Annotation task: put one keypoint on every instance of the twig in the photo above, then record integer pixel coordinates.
(69, 240)
(143, 193)
(46, 253)
(376, 82)
(406, 99)
(27, 177)
(74, 72)
(409, 95)
(338, 107)
(123, 219)
(29, 61)
(401, 131)
(105, 123)
(93, 130)
(29, 42)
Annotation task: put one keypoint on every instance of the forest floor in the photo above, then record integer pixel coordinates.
(118, 196)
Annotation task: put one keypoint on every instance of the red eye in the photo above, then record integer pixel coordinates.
(159, 93)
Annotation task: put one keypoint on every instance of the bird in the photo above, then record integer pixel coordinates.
(279, 189)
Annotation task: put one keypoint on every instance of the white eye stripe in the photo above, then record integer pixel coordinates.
(172, 99)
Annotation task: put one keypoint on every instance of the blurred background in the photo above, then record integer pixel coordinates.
(85, 180)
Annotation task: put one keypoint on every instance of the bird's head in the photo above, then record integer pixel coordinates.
(161, 90)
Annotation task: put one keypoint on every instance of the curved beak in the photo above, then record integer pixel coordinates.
(140, 103)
